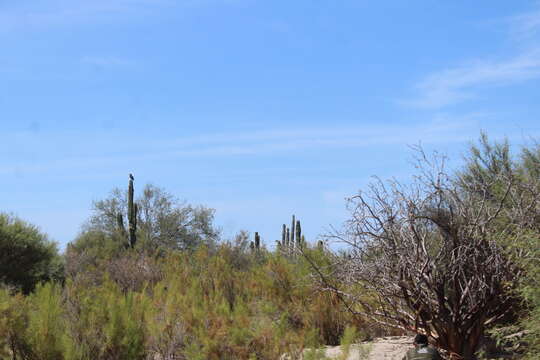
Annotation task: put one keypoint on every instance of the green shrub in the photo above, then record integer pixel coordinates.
(45, 322)
(27, 257)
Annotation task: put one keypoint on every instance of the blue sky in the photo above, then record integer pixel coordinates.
(259, 109)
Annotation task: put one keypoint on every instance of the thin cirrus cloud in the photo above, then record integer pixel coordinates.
(262, 143)
(464, 82)
(40, 14)
(44, 14)
(525, 25)
(107, 61)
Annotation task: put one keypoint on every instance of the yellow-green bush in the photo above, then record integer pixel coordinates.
(186, 305)
(13, 323)
(45, 322)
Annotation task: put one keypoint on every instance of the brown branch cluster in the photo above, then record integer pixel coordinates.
(432, 252)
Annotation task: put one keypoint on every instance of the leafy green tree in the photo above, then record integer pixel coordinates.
(519, 222)
(27, 256)
(163, 221)
(162, 224)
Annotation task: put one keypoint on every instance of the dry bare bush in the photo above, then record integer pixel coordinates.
(133, 271)
(432, 252)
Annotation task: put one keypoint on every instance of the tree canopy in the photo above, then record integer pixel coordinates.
(163, 222)
(27, 256)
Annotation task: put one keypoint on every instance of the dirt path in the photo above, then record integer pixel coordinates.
(388, 348)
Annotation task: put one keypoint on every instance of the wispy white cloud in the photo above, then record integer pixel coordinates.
(107, 61)
(455, 85)
(47, 13)
(525, 25)
(464, 82)
(39, 14)
(380, 133)
(83, 156)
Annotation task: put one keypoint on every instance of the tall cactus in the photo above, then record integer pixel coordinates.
(292, 232)
(131, 234)
(299, 237)
(132, 214)
(257, 241)
(292, 239)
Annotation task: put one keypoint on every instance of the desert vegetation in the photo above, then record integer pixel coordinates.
(452, 253)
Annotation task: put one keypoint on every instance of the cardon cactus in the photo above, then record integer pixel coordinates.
(292, 231)
(132, 214)
(299, 237)
(131, 234)
(292, 239)
(257, 241)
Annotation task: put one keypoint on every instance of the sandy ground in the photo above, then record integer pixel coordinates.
(388, 348)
